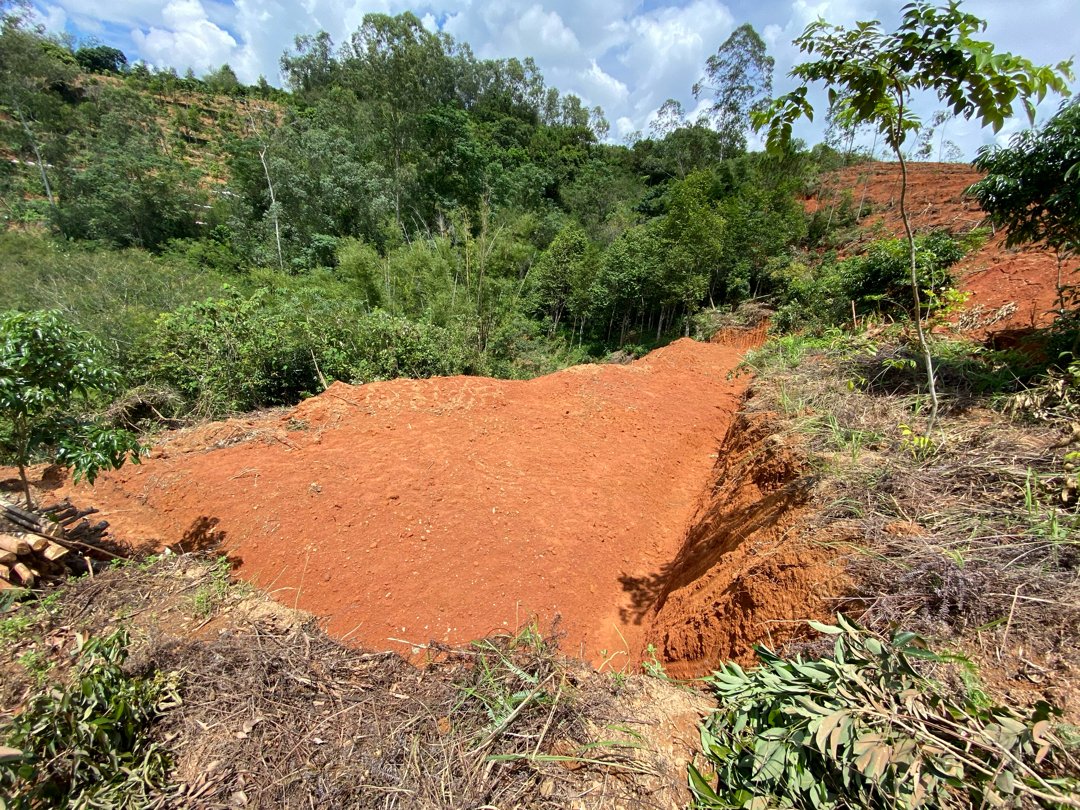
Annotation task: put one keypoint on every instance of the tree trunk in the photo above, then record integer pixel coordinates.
(923, 344)
(37, 155)
(21, 435)
(273, 208)
(26, 486)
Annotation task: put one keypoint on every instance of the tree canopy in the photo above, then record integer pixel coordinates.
(1032, 186)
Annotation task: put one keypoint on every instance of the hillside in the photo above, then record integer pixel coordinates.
(399, 439)
(408, 511)
(1011, 289)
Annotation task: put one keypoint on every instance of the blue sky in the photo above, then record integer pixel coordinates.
(628, 56)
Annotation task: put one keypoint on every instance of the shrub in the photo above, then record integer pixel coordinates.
(273, 347)
(88, 744)
(865, 729)
(878, 281)
(47, 369)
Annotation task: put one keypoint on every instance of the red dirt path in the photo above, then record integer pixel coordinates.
(447, 508)
(1023, 280)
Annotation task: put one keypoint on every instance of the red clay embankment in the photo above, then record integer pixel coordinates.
(1012, 289)
(447, 508)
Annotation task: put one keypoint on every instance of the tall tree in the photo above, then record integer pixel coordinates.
(30, 70)
(401, 69)
(101, 59)
(739, 76)
(875, 74)
(1032, 187)
(122, 187)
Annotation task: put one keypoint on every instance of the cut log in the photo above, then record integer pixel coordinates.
(37, 543)
(23, 523)
(79, 515)
(8, 557)
(5, 573)
(51, 528)
(16, 545)
(21, 516)
(81, 529)
(24, 574)
(5, 585)
(55, 551)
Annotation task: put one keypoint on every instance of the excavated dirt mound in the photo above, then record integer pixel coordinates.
(444, 509)
(1011, 289)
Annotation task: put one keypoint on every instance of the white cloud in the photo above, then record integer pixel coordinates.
(54, 18)
(187, 38)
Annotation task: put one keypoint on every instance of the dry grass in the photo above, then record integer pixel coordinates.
(968, 533)
(277, 714)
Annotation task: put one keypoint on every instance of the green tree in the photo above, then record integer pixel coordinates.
(123, 188)
(694, 230)
(401, 70)
(223, 80)
(101, 59)
(48, 371)
(1032, 187)
(561, 270)
(31, 68)
(875, 74)
(739, 75)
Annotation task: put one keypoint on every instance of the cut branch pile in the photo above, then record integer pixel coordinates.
(52, 543)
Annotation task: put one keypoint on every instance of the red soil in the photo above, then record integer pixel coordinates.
(447, 508)
(1011, 289)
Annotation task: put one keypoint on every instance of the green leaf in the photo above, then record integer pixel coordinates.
(825, 730)
(828, 629)
(701, 789)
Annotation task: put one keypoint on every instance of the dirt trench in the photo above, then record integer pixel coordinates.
(628, 504)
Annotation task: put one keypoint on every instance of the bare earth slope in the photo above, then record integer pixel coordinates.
(444, 509)
(1010, 288)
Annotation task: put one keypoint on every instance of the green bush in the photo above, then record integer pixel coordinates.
(877, 281)
(866, 729)
(88, 743)
(274, 347)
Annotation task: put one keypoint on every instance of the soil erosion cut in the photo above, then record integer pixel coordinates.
(447, 508)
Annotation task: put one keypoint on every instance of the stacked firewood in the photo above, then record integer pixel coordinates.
(50, 543)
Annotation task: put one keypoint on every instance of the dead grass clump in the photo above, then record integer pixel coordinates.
(146, 405)
(963, 532)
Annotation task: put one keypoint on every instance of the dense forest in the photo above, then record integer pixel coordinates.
(404, 208)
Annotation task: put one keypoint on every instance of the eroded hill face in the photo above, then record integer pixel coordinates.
(444, 509)
(1011, 288)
